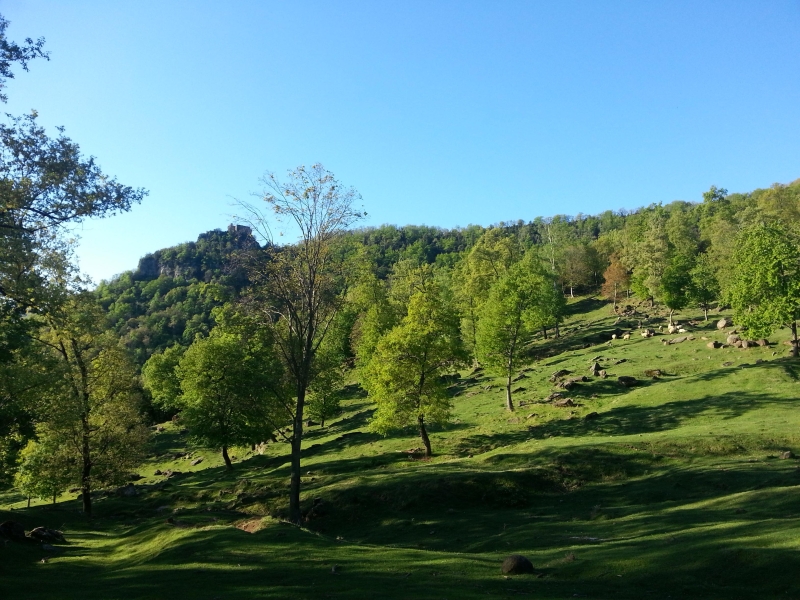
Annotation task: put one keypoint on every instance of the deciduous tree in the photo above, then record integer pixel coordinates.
(403, 376)
(299, 289)
(93, 410)
(518, 303)
(231, 391)
(766, 285)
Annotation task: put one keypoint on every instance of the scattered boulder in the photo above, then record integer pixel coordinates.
(563, 402)
(786, 455)
(311, 423)
(713, 345)
(732, 339)
(554, 396)
(680, 340)
(568, 384)
(627, 381)
(12, 531)
(727, 364)
(559, 374)
(595, 369)
(602, 374)
(516, 564)
(672, 329)
(648, 333)
(519, 389)
(45, 535)
(196, 462)
(591, 416)
(738, 344)
(620, 361)
(653, 373)
(519, 377)
(763, 343)
(723, 323)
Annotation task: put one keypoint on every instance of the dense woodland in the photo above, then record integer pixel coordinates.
(244, 341)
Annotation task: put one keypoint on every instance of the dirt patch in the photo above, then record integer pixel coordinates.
(250, 525)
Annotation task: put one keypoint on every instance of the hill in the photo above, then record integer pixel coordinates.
(674, 487)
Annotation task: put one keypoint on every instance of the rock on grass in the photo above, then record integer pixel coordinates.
(516, 564)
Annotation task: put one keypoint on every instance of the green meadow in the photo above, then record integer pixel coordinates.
(676, 488)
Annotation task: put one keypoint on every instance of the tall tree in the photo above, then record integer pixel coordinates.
(488, 260)
(766, 285)
(676, 284)
(403, 376)
(299, 289)
(616, 279)
(92, 412)
(577, 266)
(704, 288)
(231, 391)
(518, 303)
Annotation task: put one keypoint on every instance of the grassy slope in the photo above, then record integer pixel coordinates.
(676, 490)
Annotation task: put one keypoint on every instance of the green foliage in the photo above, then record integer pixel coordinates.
(403, 375)
(231, 390)
(46, 469)
(704, 288)
(161, 380)
(676, 283)
(92, 412)
(170, 298)
(522, 301)
(766, 285)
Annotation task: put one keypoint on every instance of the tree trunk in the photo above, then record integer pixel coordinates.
(295, 515)
(86, 485)
(558, 333)
(509, 402)
(670, 316)
(423, 433)
(29, 501)
(615, 297)
(544, 332)
(86, 498)
(705, 311)
(54, 497)
(571, 292)
(226, 458)
(794, 338)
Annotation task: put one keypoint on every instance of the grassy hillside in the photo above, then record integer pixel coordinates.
(675, 489)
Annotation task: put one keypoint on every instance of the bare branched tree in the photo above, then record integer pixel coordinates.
(297, 289)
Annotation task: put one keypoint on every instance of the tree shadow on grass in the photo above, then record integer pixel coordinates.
(631, 420)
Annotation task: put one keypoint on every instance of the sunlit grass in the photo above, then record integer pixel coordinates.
(675, 490)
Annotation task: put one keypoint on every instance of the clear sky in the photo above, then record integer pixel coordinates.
(439, 112)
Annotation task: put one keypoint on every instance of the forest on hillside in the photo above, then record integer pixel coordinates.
(244, 340)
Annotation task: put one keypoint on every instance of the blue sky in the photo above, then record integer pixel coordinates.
(439, 113)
